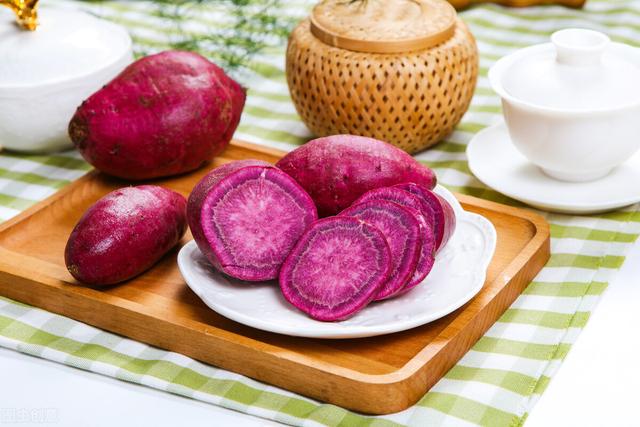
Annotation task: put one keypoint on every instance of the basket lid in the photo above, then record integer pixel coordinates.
(383, 26)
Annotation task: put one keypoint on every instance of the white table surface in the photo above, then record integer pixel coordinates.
(596, 386)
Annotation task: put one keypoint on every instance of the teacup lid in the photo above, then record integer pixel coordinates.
(66, 44)
(383, 26)
(579, 70)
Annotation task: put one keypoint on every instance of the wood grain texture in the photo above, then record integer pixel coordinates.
(375, 375)
(366, 27)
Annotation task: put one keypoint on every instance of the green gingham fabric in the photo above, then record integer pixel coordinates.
(498, 382)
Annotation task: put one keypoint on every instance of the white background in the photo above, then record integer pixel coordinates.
(596, 386)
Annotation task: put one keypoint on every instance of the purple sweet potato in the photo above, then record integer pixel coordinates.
(402, 230)
(336, 268)
(336, 170)
(424, 217)
(165, 114)
(444, 218)
(246, 216)
(392, 194)
(125, 233)
(425, 261)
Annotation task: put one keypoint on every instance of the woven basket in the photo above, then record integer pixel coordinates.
(411, 99)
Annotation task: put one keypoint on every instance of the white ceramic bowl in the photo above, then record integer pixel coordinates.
(45, 75)
(571, 143)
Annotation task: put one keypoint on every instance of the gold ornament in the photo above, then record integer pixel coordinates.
(26, 12)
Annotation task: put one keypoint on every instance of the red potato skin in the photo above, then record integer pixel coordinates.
(451, 221)
(336, 170)
(125, 233)
(165, 114)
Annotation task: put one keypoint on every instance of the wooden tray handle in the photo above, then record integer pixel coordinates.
(461, 4)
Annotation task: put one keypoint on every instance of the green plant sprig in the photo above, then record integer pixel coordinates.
(254, 25)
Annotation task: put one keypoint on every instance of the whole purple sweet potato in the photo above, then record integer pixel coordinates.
(165, 114)
(125, 233)
(336, 170)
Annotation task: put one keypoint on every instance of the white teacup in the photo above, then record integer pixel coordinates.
(572, 106)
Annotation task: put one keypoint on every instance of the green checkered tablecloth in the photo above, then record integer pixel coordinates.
(497, 382)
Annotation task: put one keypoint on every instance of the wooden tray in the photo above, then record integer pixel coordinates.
(376, 375)
(461, 4)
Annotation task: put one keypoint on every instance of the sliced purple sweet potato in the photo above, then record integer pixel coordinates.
(392, 194)
(246, 216)
(425, 216)
(444, 223)
(336, 268)
(402, 230)
(426, 259)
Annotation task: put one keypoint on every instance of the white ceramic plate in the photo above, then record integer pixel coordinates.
(458, 275)
(495, 161)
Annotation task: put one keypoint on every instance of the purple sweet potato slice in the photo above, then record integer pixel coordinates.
(425, 260)
(246, 216)
(444, 223)
(336, 268)
(402, 230)
(338, 169)
(424, 216)
(392, 194)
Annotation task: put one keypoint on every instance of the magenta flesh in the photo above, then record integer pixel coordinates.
(125, 233)
(444, 223)
(165, 114)
(425, 260)
(425, 218)
(392, 194)
(336, 268)
(402, 230)
(336, 170)
(246, 216)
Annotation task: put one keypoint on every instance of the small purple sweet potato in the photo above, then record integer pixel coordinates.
(165, 114)
(336, 268)
(444, 218)
(402, 230)
(125, 233)
(336, 170)
(246, 216)
(424, 217)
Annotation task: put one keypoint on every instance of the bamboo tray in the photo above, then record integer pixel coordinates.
(375, 375)
(461, 4)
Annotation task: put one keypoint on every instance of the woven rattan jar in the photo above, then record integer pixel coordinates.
(402, 71)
